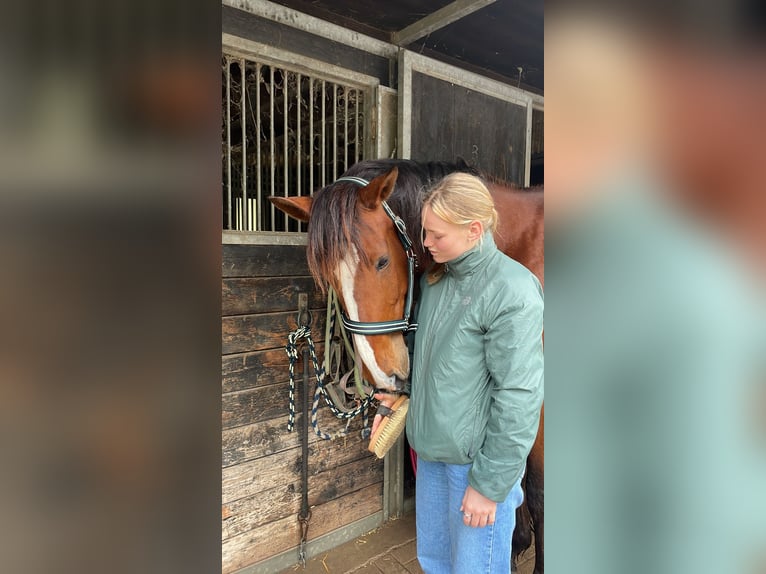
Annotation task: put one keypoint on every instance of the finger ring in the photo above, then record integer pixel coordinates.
(467, 515)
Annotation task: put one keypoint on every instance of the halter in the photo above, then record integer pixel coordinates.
(385, 327)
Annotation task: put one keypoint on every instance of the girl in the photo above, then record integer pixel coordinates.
(477, 384)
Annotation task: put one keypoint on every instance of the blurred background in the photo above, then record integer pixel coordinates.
(109, 297)
(655, 182)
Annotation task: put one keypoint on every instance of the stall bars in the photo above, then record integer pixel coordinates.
(283, 133)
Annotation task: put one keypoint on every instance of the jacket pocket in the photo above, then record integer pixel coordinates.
(471, 439)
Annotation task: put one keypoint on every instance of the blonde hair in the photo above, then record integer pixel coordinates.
(460, 198)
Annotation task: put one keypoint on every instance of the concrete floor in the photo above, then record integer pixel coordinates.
(390, 549)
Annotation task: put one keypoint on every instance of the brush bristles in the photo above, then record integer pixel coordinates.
(390, 428)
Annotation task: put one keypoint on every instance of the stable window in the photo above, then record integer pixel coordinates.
(285, 132)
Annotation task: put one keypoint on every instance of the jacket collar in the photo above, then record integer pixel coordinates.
(472, 259)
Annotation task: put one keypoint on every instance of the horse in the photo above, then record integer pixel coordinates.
(354, 247)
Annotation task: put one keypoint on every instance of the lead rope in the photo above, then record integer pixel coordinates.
(304, 332)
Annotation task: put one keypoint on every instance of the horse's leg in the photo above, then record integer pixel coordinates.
(522, 533)
(535, 492)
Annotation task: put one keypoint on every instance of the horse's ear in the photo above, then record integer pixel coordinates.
(297, 207)
(379, 189)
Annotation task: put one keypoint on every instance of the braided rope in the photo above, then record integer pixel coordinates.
(292, 353)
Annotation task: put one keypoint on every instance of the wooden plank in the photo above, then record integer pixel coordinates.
(265, 403)
(244, 333)
(264, 438)
(284, 500)
(255, 440)
(280, 535)
(242, 296)
(248, 370)
(264, 261)
(242, 371)
(255, 405)
(250, 478)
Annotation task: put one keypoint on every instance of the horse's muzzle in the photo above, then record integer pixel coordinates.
(401, 385)
(394, 386)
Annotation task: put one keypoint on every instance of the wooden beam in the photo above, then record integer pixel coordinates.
(439, 19)
(322, 28)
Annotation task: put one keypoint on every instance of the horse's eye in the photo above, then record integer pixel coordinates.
(382, 263)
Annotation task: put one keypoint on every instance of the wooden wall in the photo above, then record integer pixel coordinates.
(449, 121)
(261, 485)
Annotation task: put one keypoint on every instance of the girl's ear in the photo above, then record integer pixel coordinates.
(475, 230)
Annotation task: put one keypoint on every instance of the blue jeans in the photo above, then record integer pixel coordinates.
(445, 544)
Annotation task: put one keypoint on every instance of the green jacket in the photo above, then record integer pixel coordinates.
(477, 378)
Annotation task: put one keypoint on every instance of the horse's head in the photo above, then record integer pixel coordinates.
(353, 246)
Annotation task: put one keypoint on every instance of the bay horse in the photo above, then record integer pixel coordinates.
(354, 247)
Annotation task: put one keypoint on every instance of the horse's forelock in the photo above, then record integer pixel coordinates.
(332, 231)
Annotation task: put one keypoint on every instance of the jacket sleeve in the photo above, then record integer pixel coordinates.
(513, 352)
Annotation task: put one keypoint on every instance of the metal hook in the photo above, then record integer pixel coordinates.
(304, 315)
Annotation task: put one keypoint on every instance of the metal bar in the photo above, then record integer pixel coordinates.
(368, 99)
(471, 80)
(345, 128)
(324, 118)
(271, 140)
(436, 20)
(528, 146)
(270, 55)
(311, 136)
(380, 130)
(243, 122)
(322, 28)
(334, 132)
(259, 192)
(286, 76)
(356, 126)
(298, 133)
(228, 142)
(404, 105)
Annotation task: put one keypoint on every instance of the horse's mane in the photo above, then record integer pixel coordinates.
(334, 210)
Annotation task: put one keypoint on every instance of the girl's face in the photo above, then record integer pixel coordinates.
(447, 241)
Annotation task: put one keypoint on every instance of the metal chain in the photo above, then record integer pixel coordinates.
(304, 526)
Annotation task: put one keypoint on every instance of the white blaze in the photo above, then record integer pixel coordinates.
(346, 274)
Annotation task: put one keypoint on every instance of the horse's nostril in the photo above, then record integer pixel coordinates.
(401, 384)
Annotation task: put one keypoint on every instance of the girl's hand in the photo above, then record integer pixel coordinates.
(478, 510)
(385, 399)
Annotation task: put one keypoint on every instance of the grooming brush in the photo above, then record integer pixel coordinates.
(390, 427)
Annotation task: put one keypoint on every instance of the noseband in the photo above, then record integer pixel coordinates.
(385, 327)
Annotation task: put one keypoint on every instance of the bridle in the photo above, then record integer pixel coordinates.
(384, 327)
